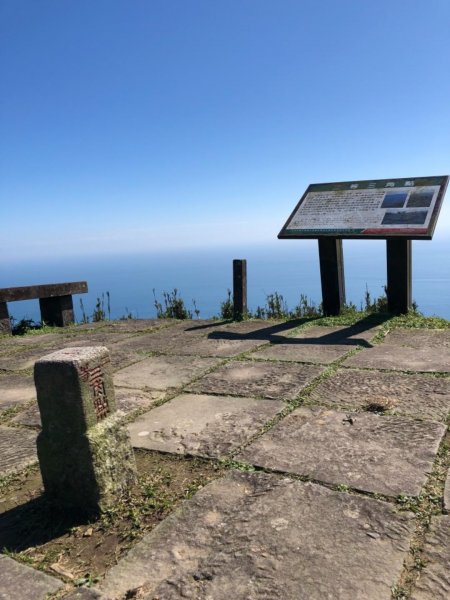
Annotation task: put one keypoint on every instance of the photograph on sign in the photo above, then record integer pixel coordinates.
(377, 208)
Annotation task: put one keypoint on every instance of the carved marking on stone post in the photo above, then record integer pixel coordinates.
(94, 377)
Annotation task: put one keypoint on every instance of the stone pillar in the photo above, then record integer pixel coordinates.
(5, 322)
(57, 310)
(85, 455)
(239, 288)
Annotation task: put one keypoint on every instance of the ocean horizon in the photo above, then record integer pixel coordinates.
(204, 275)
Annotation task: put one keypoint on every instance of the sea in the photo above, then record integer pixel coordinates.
(203, 276)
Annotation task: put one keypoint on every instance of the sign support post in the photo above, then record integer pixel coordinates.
(331, 259)
(399, 280)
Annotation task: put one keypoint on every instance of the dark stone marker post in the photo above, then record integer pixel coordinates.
(331, 259)
(239, 288)
(85, 455)
(399, 279)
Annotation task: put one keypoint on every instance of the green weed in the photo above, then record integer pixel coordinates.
(342, 487)
(174, 306)
(23, 326)
(100, 312)
(398, 593)
(226, 307)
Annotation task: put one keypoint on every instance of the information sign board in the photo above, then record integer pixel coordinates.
(381, 208)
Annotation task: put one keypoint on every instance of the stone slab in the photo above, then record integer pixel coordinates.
(88, 326)
(195, 339)
(30, 417)
(258, 536)
(123, 357)
(134, 325)
(408, 350)
(220, 347)
(167, 338)
(269, 330)
(31, 339)
(127, 400)
(202, 425)
(159, 341)
(408, 337)
(21, 361)
(162, 372)
(421, 396)
(379, 454)
(96, 339)
(16, 389)
(17, 449)
(434, 580)
(279, 381)
(322, 345)
(447, 493)
(20, 581)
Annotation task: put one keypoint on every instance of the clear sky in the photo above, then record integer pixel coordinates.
(131, 125)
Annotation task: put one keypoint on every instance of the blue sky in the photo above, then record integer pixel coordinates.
(140, 125)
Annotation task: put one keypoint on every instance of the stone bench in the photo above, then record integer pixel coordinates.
(55, 301)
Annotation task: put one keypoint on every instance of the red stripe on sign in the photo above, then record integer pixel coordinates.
(405, 230)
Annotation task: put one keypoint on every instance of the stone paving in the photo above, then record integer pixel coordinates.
(423, 350)
(17, 581)
(259, 536)
(333, 427)
(322, 345)
(202, 425)
(17, 449)
(258, 379)
(391, 392)
(162, 372)
(15, 389)
(382, 455)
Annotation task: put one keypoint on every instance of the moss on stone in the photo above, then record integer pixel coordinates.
(112, 458)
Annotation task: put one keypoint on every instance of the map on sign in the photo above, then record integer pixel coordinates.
(368, 209)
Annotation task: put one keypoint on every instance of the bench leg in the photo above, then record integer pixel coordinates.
(57, 310)
(5, 321)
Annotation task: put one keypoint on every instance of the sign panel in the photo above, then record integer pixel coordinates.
(380, 208)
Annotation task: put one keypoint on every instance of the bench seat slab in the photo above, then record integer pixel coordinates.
(47, 290)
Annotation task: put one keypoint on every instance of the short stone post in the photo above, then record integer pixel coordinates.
(239, 288)
(85, 455)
